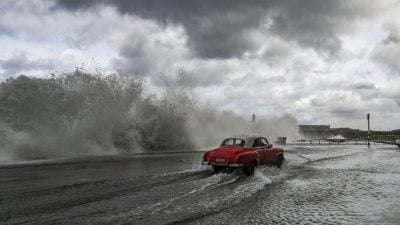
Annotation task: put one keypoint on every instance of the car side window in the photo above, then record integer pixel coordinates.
(256, 143)
(233, 142)
(239, 142)
(228, 142)
(264, 142)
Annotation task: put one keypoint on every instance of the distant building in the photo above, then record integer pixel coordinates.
(314, 131)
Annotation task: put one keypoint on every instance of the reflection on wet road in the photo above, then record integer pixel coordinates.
(317, 185)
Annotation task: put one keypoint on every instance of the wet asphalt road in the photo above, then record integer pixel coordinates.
(317, 185)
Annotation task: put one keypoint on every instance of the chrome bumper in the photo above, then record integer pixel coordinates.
(222, 164)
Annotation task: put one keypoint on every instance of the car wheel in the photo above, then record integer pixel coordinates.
(217, 168)
(279, 161)
(248, 169)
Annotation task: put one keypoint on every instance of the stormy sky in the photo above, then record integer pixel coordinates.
(324, 62)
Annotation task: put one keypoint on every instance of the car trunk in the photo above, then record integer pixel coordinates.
(227, 153)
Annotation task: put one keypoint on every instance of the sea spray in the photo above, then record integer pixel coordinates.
(208, 125)
(83, 114)
(78, 113)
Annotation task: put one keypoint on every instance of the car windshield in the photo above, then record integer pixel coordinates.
(233, 142)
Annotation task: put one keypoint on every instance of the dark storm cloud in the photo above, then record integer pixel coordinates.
(219, 29)
(19, 62)
(311, 23)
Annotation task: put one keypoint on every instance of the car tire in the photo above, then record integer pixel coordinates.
(217, 169)
(279, 161)
(248, 169)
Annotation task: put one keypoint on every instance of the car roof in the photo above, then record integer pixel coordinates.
(248, 138)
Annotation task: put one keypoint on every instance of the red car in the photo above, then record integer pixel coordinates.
(244, 151)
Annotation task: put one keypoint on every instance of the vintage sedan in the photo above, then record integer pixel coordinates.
(244, 151)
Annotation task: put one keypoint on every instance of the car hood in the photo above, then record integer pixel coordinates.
(226, 152)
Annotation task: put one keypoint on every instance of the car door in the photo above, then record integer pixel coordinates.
(268, 152)
(259, 149)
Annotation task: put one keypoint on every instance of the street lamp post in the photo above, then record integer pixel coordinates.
(368, 131)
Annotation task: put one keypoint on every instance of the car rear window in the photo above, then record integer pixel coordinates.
(233, 142)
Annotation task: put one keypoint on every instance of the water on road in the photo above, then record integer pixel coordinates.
(317, 185)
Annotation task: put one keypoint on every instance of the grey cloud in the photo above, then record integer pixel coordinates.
(7, 31)
(142, 53)
(85, 37)
(219, 29)
(19, 62)
(11, 24)
(388, 55)
(276, 52)
(322, 39)
(134, 59)
(394, 35)
(392, 38)
(315, 23)
(387, 52)
(363, 86)
(345, 112)
(278, 79)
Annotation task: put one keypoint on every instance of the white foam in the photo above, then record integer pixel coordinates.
(257, 182)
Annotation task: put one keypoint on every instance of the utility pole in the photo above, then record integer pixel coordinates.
(368, 131)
